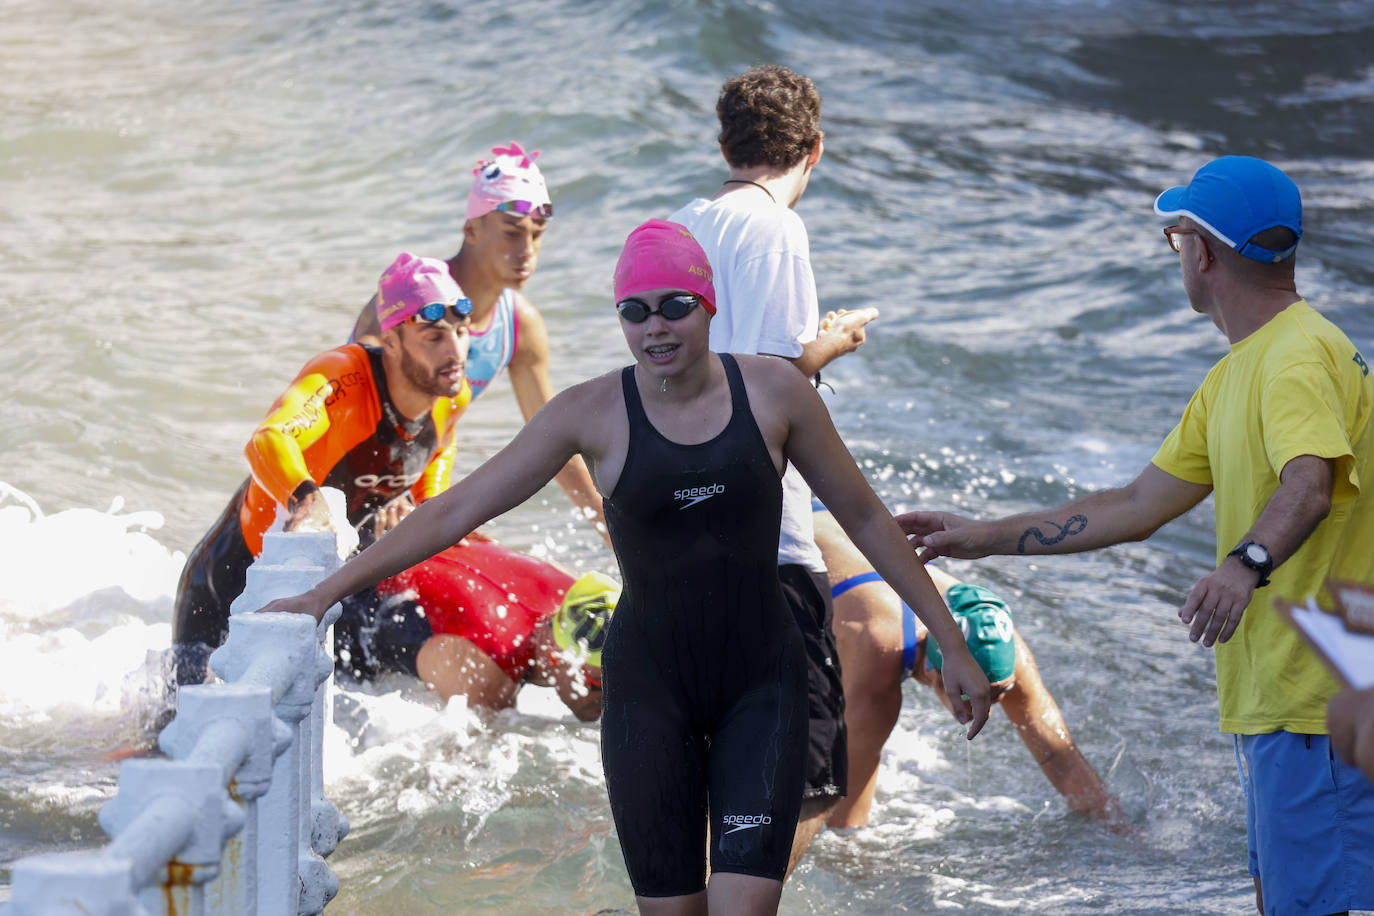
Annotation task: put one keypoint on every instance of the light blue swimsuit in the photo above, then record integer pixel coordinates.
(491, 350)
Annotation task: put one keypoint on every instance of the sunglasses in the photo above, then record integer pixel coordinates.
(526, 208)
(435, 310)
(672, 308)
(1171, 234)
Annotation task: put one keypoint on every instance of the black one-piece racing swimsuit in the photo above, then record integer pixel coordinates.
(704, 672)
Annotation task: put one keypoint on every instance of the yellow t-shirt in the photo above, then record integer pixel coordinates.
(1297, 386)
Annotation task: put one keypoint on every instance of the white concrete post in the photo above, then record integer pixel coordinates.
(179, 839)
(289, 871)
(327, 825)
(232, 725)
(170, 820)
(74, 884)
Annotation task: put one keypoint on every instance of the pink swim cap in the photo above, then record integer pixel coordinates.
(410, 284)
(509, 182)
(664, 255)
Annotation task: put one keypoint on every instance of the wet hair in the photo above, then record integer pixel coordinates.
(768, 116)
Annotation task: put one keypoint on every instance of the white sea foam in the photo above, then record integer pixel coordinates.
(52, 562)
(86, 596)
(84, 625)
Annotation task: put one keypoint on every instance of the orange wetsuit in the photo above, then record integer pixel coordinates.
(334, 426)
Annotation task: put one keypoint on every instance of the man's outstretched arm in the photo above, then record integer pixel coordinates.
(1129, 513)
(841, 332)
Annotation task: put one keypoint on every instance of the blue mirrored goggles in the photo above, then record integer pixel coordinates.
(435, 310)
(526, 208)
(671, 308)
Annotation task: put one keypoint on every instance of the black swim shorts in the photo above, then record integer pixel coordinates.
(827, 756)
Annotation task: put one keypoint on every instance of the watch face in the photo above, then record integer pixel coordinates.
(1256, 554)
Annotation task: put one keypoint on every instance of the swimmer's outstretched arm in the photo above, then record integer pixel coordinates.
(299, 418)
(815, 448)
(1032, 709)
(566, 426)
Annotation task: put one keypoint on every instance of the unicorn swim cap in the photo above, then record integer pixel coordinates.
(663, 255)
(510, 182)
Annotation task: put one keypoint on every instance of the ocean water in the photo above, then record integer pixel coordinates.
(197, 196)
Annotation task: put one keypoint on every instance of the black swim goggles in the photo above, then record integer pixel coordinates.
(435, 310)
(672, 308)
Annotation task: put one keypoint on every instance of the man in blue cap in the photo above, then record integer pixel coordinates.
(1282, 430)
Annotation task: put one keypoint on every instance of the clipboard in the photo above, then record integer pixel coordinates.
(1344, 641)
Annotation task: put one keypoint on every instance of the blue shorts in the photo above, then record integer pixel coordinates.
(1310, 823)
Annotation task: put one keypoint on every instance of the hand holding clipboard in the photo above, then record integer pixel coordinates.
(1345, 642)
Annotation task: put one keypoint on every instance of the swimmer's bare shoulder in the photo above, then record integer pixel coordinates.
(592, 414)
(779, 397)
(772, 374)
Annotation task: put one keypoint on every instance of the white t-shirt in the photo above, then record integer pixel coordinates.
(765, 303)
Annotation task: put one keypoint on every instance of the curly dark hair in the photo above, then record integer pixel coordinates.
(768, 116)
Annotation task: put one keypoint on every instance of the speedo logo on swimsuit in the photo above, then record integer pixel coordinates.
(738, 822)
(694, 495)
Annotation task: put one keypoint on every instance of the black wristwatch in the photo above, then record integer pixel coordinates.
(1256, 556)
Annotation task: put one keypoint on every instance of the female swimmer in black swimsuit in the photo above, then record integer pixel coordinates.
(705, 684)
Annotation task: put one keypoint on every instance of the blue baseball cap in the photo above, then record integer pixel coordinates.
(1235, 198)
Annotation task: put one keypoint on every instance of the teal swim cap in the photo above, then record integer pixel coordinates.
(986, 623)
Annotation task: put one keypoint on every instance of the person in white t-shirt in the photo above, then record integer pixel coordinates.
(766, 303)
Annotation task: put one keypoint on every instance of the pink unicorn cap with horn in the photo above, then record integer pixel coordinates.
(509, 182)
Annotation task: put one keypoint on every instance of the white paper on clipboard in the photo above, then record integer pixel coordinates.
(1349, 654)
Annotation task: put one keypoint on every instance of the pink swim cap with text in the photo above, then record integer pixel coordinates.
(664, 255)
(410, 284)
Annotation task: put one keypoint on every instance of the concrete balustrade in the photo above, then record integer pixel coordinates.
(235, 822)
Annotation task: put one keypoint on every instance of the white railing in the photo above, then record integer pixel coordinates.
(236, 821)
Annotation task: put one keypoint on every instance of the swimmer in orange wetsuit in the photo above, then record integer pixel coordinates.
(377, 423)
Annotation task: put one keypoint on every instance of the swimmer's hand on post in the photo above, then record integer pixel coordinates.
(307, 603)
(309, 513)
(390, 515)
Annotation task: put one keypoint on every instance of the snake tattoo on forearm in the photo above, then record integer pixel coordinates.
(1074, 525)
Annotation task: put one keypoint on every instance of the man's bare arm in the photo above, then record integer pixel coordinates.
(1038, 720)
(1217, 602)
(1129, 513)
(841, 332)
(1350, 719)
